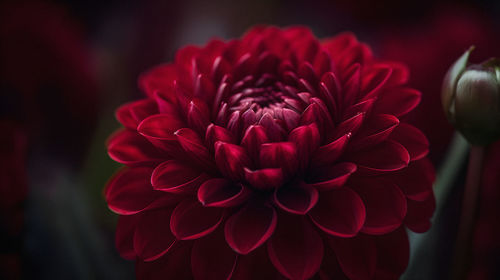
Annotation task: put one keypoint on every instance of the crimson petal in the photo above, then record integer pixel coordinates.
(132, 149)
(397, 101)
(221, 192)
(153, 237)
(412, 139)
(231, 160)
(339, 212)
(419, 214)
(393, 253)
(265, 179)
(160, 127)
(295, 249)
(131, 114)
(331, 177)
(190, 220)
(329, 153)
(172, 176)
(203, 263)
(386, 156)
(192, 144)
(416, 180)
(296, 198)
(255, 135)
(174, 265)
(279, 154)
(357, 256)
(385, 206)
(124, 236)
(376, 130)
(307, 140)
(250, 227)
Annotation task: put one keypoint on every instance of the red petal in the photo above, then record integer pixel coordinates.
(393, 252)
(174, 265)
(254, 137)
(295, 249)
(190, 220)
(217, 133)
(416, 180)
(307, 140)
(132, 149)
(350, 125)
(385, 205)
(131, 114)
(273, 130)
(265, 179)
(329, 153)
(352, 86)
(231, 160)
(397, 101)
(296, 198)
(419, 214)
(339, 212)
(412, 139)
(204, 88)
(172, 176)
(124, 236)
(376, 130)
(130, 191)
(222, 193)
(198, 116)
(153, 237)
(158, 78)
(331, 177)
(374, 80)
(205, 265)
(357, 256)
(280, 154)
(250, 227)
(192, 144)
(159, 127)
(256, 265)
(386, 156)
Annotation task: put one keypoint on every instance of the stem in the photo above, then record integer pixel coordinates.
(461, 258)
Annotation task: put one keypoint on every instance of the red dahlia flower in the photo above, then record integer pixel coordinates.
(272, 156)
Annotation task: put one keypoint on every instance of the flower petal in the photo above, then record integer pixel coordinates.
(174, 265)
(175, 177)
(376, 130)
(198, 115)
(279, 154)
(329, 153)
(416, 180)
(124, 236)
(385, 205)
(207, 267)
(254, 137)
(160, 127)
(153, 237)
(250, 227)
(256, 265)
(295, 249)
(357, 256)
(190, 220)
(339, 212)
(393, 253)
(412, 139)
(307, 140)
(265, 179)
(131, 114)
(231, 160)
(397, 101)
(192, 144)
(130, 191)
(296, 198)
(419, 214)
(331, 177)
(386, 156)
(219, 192)
(132, 149)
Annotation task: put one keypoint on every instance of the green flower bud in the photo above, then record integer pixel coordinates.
(471, 99)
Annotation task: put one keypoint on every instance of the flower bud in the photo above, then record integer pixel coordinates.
(471, 99)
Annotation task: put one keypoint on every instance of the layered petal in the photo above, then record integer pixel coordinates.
(190, 220)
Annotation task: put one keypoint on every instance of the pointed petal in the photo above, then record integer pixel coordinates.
(254, 137)
(279, 154)
(231, 160)
(132, 149)
(175, 177)
(339, 212)
(296, 198)
(329, 153)
(412, 139)
(397, 101)
(159, 127)
(386, 156)
(153, 237)
(207, 267)
(190, 220)
(198, 115)
(192, 144)
(376, 130)
(250, 227)
(295, 249)
(220, 192)
(331, 177)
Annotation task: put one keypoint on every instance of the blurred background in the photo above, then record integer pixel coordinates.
(66, 65)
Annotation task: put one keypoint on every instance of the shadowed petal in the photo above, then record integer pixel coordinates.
(265, 179)
(386, 156)
(231, 160)
(221, 192)
(339, 212)
(357, 256)
(153, 237)
(250, 227)
(331, 177)
(190, 220)
(174, 265)
(132, 149)
(419, 214)
(124, 236)
(172, 176)
(397, 101)
(412, 139)
(296, 198)
(393, 252)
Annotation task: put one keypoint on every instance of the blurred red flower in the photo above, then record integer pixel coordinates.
(272, 156)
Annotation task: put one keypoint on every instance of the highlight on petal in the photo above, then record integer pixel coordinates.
(295, 249)
(376, 130)
(329, 153)
(265, 179)
(250, 227)
(131, 114)
(212, 258)
(153, 237)
(331, 177)
(397, 101)
(219, 192)
(412, 139)
(231, 160)
(339, 212)
(190, 220)
(173, 176)
(386, 156)
(160, 127)
(130, 148)
(296, 198)
(192, 144)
